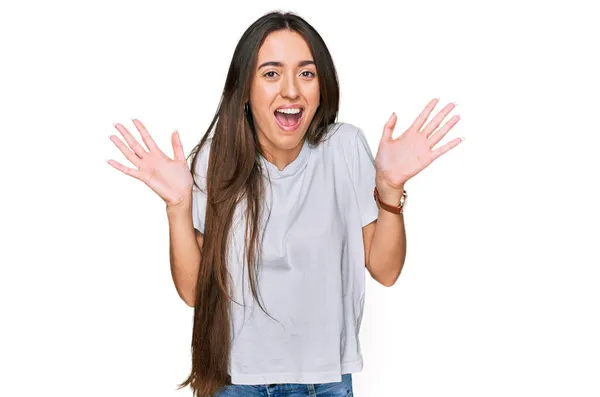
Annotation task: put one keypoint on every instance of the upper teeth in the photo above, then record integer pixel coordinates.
(289, 111)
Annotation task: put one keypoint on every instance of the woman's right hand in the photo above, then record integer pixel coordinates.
(170, 179)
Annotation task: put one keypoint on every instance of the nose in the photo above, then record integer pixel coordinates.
(289, 87)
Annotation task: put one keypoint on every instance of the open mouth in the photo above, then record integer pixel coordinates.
(289, 119)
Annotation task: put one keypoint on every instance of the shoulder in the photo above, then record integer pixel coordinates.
(343, 136)
(341, 131)
(347, 138)
(201, 160)
(202, 152)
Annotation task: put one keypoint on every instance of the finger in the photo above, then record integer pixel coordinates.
(388, 128)
(126, 170)
(133, 144)
(437, 120)
(453, 143)
(177, 146)
(148, 141)
(419, 121)
(439, 134)
(129, 155)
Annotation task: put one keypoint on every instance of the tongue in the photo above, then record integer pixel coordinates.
(287, 120)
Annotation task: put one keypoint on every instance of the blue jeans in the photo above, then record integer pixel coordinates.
(334, 389)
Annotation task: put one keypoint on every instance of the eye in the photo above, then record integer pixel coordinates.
(307, 71)
(270, 74)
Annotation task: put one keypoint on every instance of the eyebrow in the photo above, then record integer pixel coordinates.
(279, 64)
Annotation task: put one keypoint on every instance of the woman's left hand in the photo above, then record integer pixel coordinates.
(400, 159)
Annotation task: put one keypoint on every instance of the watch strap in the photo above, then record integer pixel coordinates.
(399, 209)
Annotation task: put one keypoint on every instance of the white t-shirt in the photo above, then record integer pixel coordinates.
(312, 275)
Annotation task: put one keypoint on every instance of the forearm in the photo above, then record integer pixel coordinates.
(388, 247)
(184, 251)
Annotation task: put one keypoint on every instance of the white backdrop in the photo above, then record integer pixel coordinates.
(499, 294)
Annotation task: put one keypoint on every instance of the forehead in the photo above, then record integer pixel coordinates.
(284, 46)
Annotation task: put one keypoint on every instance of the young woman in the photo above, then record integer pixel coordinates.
(284, 210)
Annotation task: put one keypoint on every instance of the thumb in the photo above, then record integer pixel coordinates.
(388, 128)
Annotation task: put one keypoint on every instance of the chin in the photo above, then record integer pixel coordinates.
(285, 140)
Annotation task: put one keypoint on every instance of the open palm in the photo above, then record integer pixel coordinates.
(170, 178)
(402, 158)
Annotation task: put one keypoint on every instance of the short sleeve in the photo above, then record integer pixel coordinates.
(199, 196)
(363, 178)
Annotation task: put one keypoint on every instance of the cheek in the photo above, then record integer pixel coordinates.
(262, 96)
(313, 95)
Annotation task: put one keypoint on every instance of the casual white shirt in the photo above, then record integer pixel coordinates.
(312, 274)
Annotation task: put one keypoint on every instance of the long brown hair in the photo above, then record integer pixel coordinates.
(235, 172)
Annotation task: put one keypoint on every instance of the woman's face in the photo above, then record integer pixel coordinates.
(285, 78)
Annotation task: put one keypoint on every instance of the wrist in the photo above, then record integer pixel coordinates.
(182, 207)
(387, 193)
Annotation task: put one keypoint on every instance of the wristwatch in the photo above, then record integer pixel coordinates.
(390, 208)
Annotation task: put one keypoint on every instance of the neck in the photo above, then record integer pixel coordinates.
(278, 156)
